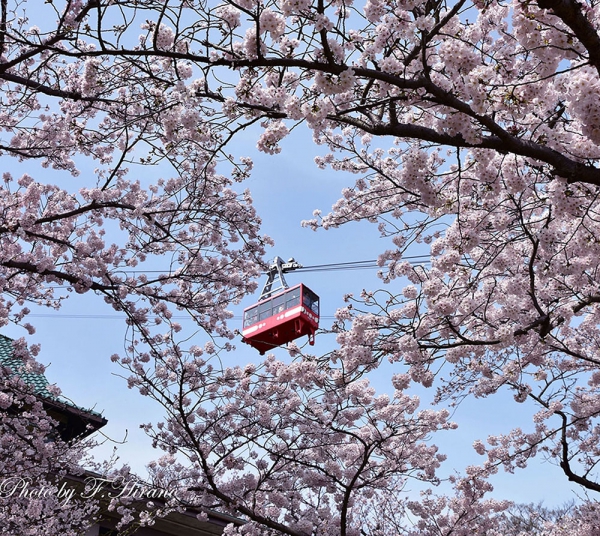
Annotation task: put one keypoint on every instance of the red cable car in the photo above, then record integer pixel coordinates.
(281, 317)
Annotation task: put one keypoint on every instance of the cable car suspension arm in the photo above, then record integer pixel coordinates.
(277, 269)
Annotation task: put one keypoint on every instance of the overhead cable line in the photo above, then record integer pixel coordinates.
(331, 267)
(357, 265)
(120, 317)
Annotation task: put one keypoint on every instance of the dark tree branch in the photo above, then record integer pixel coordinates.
(570, 12)
(565, 463)
(565, 167)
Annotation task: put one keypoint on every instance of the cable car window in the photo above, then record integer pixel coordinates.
(264, 309)
(310, 300)
(278, 304)
(292, 298)
(251, 316)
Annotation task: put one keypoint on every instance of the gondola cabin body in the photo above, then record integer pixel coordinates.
(282, 318)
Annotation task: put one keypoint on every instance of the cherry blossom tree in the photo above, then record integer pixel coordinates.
(35, 496)
(59, 109)
(96, 233)
(295, 448)
(50, 482)
(473, 128)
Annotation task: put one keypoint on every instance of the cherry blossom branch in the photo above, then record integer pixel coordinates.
(563, 166)
(50, 91)
(565, 463)
(571, 13)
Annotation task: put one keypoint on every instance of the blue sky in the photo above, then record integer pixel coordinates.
(79, 340)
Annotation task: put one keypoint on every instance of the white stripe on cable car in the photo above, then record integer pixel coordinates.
(253, 329)
(293, 311)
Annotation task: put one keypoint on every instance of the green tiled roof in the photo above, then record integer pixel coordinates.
(37, 381)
